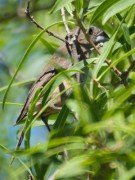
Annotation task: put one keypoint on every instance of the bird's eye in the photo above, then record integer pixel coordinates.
(90, 31)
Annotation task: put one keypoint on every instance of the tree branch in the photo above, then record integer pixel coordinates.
(64, 20)
(27, 11)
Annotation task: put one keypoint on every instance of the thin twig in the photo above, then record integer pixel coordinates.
(14, 14)
(131, 67)
(76, 55)
(88, 177)
(65, 155)
(28, 15)
(126, 73)
(64, 20)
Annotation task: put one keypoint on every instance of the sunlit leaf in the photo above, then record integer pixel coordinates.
(59, 4)
(102, 8)
(116, 8)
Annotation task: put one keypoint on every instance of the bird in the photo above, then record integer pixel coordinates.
(60, 59)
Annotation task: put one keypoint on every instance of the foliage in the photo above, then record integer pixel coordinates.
(92, 137)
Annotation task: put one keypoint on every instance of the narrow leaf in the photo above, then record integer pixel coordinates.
(116, 8)
(60, 121)
(59, 4)
(102, 8)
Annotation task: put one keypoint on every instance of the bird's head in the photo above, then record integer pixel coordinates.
(97, 35)
(83, 47)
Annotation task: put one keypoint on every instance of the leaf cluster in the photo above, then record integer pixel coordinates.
(92, 136)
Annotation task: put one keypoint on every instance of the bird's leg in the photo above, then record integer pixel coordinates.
(45, 120)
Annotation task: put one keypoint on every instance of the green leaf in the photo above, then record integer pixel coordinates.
(103, 56)
(3, 148)
(102, 8)
(17, 84)
(117, 61)
(116, 8)
(33, 103)
(78, 5)
(126, 34)
(106, 52)
(59, 4)
(12, 103)
(70, 9)
(69, 139)
(78, 164)
(27, 168)
(60, 121)
(51, 47)
(27, 139)
(120, 98)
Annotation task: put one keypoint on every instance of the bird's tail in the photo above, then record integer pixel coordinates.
(21, 137)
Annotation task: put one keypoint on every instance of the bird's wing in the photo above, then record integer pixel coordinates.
(43, 79)
(58, 60)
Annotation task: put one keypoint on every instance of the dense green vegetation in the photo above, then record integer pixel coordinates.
(96, 140)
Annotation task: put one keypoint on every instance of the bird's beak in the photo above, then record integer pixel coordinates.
(102, 37)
